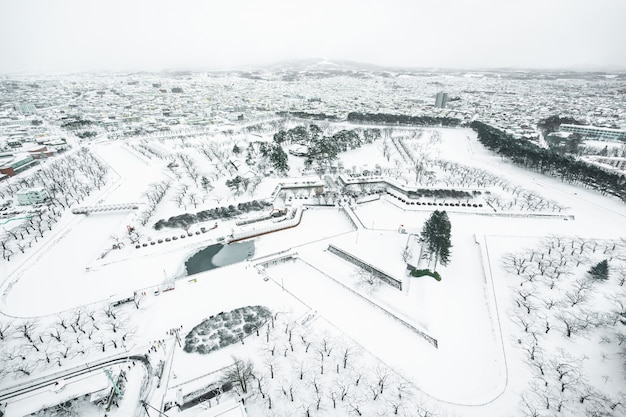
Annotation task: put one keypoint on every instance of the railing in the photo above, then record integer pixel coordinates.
(102, 208)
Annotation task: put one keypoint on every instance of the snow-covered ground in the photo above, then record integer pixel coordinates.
(477, 369)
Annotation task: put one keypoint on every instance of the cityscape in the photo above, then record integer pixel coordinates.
(302, 236)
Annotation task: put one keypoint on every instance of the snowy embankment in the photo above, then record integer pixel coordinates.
(467, 312)
(47, 283)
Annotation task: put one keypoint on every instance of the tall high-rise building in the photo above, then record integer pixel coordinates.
(441, 100)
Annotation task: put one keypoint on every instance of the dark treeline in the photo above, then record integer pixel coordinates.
(305, 115)
(549, 162)
(185, 220)
(552, 124)
(441, 193)
(323, 149)
(76, 124)
(402, 119)
(86, 134)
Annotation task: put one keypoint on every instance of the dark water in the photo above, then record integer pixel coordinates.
(218, 255)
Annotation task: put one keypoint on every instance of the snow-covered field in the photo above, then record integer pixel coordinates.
(480, 366)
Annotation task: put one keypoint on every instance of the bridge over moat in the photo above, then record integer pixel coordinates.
(105, 208)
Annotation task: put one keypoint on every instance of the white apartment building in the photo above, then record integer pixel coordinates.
(601, 133)
(29, 196)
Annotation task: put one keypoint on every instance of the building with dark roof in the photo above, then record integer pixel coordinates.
(17, 164)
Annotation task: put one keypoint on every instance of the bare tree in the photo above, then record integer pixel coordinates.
(571, 323)
(620, 274)
(515, 263)
(302, 367)
(373, 389)
(347, 352)
(240, 373)
(6, 330)
(342, 388)
(580, 292)
(22, 368)
(109, 311)
(55, 333)
(526, 321)
(382, 376)
(549, 303)
(367, 279)
(27, 329)
(567, 370)
(353, 406)
(396, 404)
(533, 351)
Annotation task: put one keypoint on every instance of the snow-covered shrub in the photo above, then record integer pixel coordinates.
(225, 329)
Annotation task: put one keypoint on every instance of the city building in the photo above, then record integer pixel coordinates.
(39, 152)
(593, 132)
(615, 162)
(26, 109)
(441, 100)
(17, 164)
(29, 196)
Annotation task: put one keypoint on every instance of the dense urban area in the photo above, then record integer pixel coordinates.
(313, 238)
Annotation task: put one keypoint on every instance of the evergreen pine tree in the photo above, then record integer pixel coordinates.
(279, 158)
(600, 271)
(436, 234)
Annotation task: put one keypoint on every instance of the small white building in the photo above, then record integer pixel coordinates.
(29, 196)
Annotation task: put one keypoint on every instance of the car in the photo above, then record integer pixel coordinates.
(167, 239)
(160, 241)
(174, 237)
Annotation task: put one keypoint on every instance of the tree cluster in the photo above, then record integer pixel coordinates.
(306, 115)
(187, 219)
(553, 301)
(68, 180)
(302, 371)
(76, 123)
(154, 195)
(402, 119)
(546, 161)
(225, 328)
(30, 346)
(552, 123)
(436, 234)
(86, 134)
(439, 172)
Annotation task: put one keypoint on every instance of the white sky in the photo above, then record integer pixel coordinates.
(79, 35)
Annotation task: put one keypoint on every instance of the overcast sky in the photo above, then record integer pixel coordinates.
(114, 35)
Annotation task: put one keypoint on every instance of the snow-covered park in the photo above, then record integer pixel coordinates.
(516, 326)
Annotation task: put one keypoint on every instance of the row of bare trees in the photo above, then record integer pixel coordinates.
(68, 179)
(304, 371)
(30, 346)
(434, 171)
